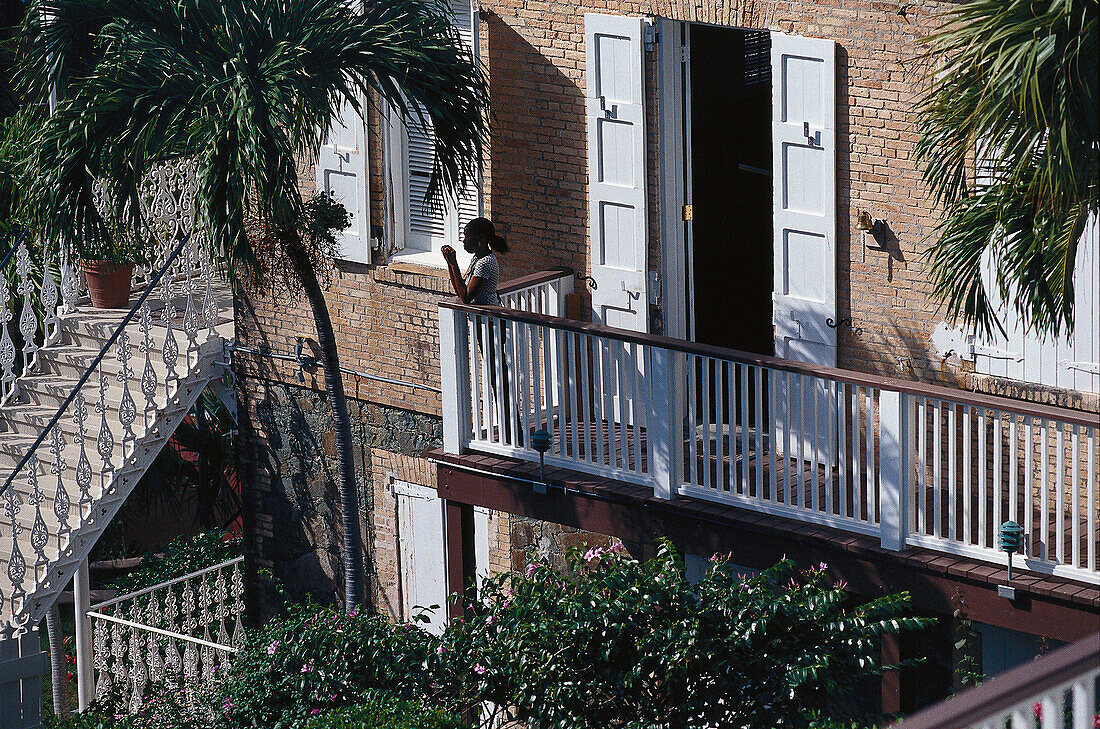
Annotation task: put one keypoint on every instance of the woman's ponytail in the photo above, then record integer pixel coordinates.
(498, 244)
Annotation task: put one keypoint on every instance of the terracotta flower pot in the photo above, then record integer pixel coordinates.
(108, 283)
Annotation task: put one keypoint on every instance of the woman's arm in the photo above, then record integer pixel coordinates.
(466, 294)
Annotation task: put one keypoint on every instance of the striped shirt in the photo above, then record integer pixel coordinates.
(486, 269)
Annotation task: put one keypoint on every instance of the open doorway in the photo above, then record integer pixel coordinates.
(730, 162)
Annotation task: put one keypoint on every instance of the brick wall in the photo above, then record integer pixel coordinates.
(535, 188)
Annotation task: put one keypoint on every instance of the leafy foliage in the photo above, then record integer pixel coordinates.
(317, 659)
(382, 710)
(622, 643)
(182, 556)
(610, 642)
(1017, 83)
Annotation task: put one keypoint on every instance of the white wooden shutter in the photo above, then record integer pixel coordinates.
(422, 555)
(342, 172)
(804, 228)
(615, 98)
(1069, 362)
(429, 226)
(804, 198)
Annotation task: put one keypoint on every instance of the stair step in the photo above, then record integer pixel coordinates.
(83, 334)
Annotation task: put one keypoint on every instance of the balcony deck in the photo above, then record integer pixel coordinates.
(909, 464)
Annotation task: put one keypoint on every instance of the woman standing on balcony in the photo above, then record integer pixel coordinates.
(479, 285)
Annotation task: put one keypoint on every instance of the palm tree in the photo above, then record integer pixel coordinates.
(1017, 86)
(242, 88)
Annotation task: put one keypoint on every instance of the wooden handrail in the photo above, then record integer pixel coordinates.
(937, 392)
(534, 279)
(1009, 689)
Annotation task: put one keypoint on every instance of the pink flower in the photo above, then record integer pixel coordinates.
(531, 567)
(480, 669)
(332, 698)
(616, 546)
(823, 566)
(307, 667)
(490, 620)
(315, 712)
(353, 612)
(440, 650)
(841, 585)
(272, 647)
(715, 557)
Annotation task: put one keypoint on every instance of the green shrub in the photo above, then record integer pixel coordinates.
(182, 556)
(383, 710)
(319, 658)
(615, 642)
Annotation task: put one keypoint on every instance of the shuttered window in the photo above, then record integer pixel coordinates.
(421, 228)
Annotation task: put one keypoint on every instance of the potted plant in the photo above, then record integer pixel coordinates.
(107, 259)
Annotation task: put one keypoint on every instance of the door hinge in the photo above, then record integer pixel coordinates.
(688, 212)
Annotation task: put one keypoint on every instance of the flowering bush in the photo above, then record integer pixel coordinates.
(316, 659)
(609, 642)
(616, 642)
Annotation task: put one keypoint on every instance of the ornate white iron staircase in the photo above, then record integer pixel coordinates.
(88, 402)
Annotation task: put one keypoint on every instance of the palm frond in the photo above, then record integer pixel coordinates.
(1009, 150)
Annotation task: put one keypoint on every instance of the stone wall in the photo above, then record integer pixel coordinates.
(288, 468)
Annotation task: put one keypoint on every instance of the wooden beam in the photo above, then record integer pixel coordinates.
(461, 565)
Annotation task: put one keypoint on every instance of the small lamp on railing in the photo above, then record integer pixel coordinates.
(1011, 539)
(540, 441)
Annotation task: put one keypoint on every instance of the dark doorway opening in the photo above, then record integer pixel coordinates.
(731, 164)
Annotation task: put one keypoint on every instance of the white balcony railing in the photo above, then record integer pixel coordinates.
(909, 463)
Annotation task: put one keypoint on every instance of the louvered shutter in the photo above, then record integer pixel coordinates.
(429, 226)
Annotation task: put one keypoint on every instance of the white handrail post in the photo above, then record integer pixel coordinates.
(663, 411)
(454, 370)
(893, 468)
(560, 288)
(85, 686)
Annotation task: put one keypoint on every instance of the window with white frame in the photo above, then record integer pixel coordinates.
(420, 229)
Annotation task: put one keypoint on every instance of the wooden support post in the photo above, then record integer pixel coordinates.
(454, 366)
(893, 469)
(663, 422)
(461, 557)
(891, 680)
(85, 682)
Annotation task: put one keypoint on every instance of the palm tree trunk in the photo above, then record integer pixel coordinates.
(334, 386)
(58, 674)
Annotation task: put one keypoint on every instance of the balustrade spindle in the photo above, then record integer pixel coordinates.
(105, 443)
(61, 501)
(28, 323)
(99, 659)
(170, 348)
(127, 409)
(83, 465)
(148, 372)
(51, 321)
(7, 345)
(237, 584)
(70, 284)
(40, 535)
